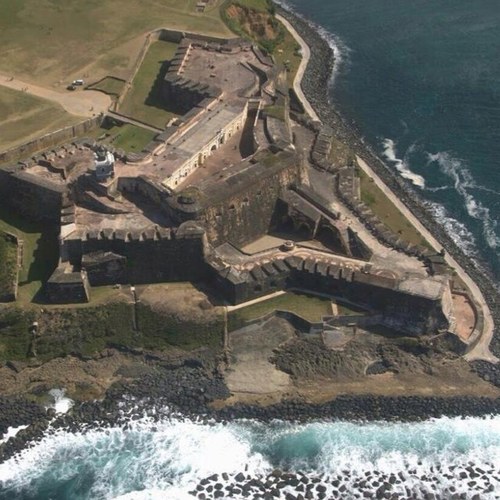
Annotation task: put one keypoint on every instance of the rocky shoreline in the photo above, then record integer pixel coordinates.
(315, 85)
(196, 392)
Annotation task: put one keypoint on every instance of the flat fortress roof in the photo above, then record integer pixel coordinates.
(198, 136)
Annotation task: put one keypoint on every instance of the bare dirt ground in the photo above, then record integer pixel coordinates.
(86, 103)
(272, 362)
(181, 299)
(250, 370)
(81, 379)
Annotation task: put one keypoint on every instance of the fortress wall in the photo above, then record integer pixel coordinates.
(150, 257)
(50, 140)
(30, 195)
(170, 35)
(246, 215)
(402, 311)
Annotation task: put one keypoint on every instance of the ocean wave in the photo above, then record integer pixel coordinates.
(340, 49)
(390, 153)
(168, 458)
(61, 403)
(463, 183)
(455, 229)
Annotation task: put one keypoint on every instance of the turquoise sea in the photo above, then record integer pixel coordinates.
(167, 459)
(421, 80)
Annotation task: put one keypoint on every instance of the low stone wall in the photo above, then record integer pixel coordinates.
(50, 140)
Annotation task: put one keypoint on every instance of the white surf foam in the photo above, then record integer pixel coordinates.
(463, 183)
(167, 459)
(455, 229)
(11, 432)
(61, 403)
(390, 153)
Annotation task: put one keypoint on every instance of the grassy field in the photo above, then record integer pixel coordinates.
(127, 137)
(8, 265)
(387, 212)
(310, 307)
(287, 54)
(40, 252)
(24, 117)
(53, 42)
(144, 101)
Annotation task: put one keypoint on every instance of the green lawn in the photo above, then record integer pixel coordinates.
(387, 212)
(144, 101)
(24, 117)
(287, 54)
(127, 137)
(40, 252)
(309, 307)
(8, 265)
(56, 41)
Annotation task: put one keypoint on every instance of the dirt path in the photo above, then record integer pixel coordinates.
(86, 103)
(306, 54)
(481, 350)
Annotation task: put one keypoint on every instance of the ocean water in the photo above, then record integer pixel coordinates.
(421, 81)
(167, 459)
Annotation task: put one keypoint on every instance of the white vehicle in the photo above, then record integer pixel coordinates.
(78, 82)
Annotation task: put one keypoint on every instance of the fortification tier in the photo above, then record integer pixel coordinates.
(415, 305)
(238, 204)
(151, 255)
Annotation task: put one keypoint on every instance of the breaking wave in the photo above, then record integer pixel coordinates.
(455, 229)
(464, 183)
(390, 153)
(168, 458)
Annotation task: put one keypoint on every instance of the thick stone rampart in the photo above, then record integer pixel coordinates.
(32, 196)
(152, 255)
(401, 308)
(246, 209)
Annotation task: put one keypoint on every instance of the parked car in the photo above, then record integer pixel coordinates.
(71, 87)
(78, 82)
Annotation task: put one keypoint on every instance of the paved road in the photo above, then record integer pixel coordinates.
(306, 54)
(85, 103)
(481, 351)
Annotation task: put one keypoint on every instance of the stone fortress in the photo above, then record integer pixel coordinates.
(237, 193)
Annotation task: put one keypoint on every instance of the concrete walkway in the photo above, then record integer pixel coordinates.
(85, 103)
(481, 351)
(306, 54)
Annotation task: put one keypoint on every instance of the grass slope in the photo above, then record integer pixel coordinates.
(8, 265)
(40, 252)
(51, 41)
(144, 101)
(24, 117)
(309, 307)
(386, 211)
